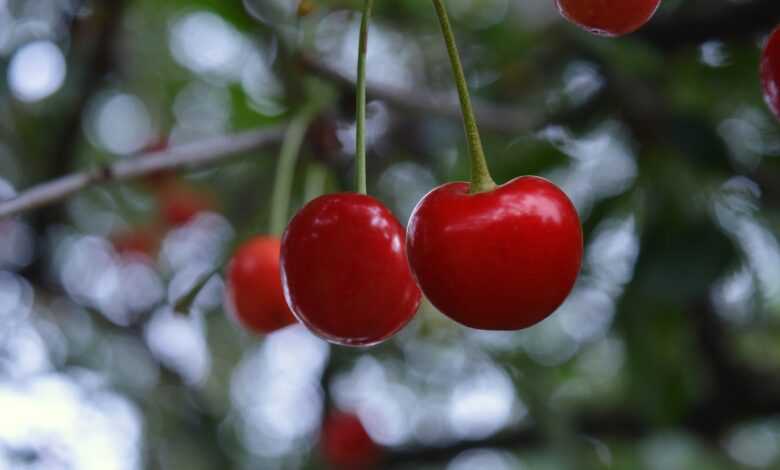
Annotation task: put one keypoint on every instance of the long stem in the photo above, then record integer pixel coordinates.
(285, 170)
(480, 175)
(316, 179)
(360, 145)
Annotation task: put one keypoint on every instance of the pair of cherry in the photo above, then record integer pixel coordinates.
(490, 257)
(498, 260)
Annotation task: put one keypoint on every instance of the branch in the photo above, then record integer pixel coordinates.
(503, 119)
(192, 155)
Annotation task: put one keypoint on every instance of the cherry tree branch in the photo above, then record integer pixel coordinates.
(189, 156)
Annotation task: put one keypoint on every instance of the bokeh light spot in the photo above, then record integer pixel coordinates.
(36, 71)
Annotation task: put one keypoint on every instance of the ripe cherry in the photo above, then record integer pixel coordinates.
(345, 444)
(143, 242)
(254, 293)
(344, 270)
(609, 17)
(180, 203)
(770, 72)
(503, 259)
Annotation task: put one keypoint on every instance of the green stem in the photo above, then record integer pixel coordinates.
(183, 304)
(480, 174)
(316, 179)
(360, 147)
(285, 169)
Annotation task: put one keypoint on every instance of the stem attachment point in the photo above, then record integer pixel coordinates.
(481, 180)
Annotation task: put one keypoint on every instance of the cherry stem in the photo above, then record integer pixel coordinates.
(360, 144)
(315, 182)
(481, 180)
(285, 169)
(184, 303)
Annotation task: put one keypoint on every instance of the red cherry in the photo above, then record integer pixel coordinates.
(254, 293)
(609, 17)
(345, 272)
(179, 203)
(770, 72)
(140, 241)
(498, 260)
(346, 444)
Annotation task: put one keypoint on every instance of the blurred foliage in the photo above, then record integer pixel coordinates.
(666, 356)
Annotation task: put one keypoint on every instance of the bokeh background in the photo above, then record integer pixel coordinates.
(666, 356)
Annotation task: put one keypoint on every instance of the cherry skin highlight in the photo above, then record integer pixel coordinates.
(498, 260)
(609, 17)
(345, 444)
(770, 72)
(345, 272)
(254, 293)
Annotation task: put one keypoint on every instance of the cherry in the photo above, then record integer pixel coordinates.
(180, 203)
(254, 293)
(497, 257)
(306, 7)
(609, 17)
(344, 268)
(346, 444)
(139, 241)
(770, 72)
(502, 259)
(345, 272)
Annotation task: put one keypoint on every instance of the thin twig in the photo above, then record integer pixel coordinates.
(192, 155)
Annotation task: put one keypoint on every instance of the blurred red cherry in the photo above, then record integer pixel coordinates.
(306, 8)
(254, 293)
(345, 272)
(180, 203)
(770, 72)
(143, 241)
(609, 17)
(504, 259)
(345, 444)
